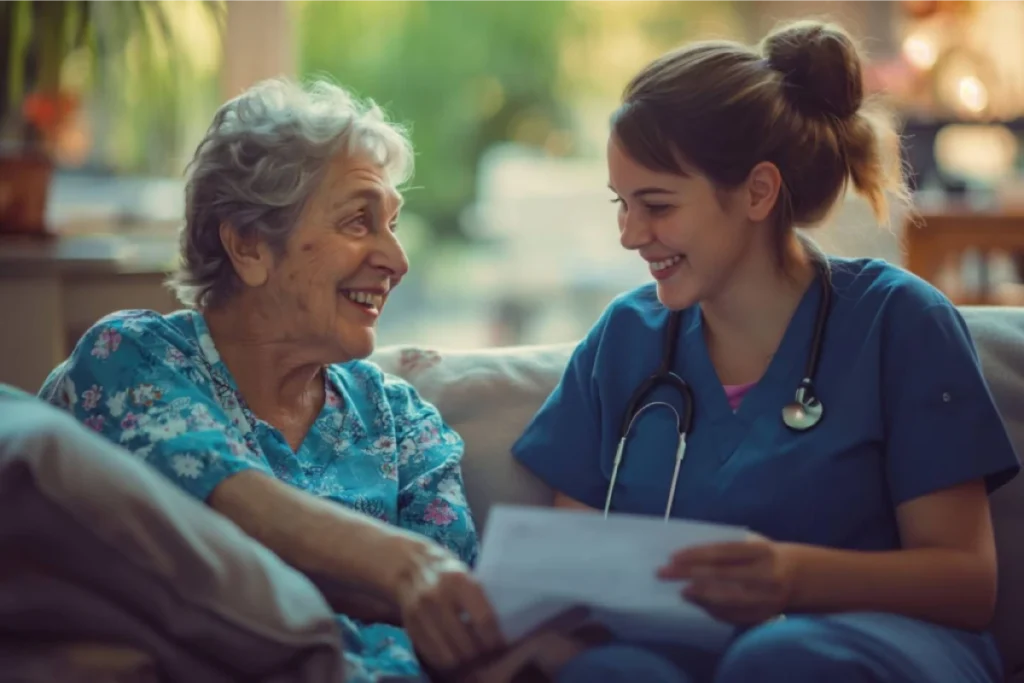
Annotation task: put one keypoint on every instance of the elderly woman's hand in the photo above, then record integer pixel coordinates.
(444, 610)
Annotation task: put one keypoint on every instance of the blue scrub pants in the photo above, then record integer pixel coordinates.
(841, 648)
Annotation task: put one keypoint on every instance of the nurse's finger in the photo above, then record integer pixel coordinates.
(755, 569)
(721, 553)
(678, 571)
(718, 553)
(721, 593)
(759, 575)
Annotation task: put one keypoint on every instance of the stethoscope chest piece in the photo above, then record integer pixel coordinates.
(805, 411)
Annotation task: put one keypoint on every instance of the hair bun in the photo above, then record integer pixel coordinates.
(821, 64)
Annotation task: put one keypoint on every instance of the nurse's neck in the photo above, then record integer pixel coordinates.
(745, 323)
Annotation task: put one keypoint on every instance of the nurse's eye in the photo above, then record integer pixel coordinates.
(657, 209)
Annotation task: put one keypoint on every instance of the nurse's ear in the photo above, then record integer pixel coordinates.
(764, 183)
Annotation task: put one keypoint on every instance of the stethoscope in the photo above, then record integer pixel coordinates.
(803, 413)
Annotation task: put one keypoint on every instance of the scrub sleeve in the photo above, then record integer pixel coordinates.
(942, 427)
(562, 443)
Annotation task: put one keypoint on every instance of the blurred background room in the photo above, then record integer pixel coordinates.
(508, 224)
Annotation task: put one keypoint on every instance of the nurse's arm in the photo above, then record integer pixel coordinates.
(945, 573)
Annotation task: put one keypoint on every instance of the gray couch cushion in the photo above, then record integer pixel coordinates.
(999, 336)
(104, 548)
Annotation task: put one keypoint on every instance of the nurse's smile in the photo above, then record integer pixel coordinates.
(665, 268)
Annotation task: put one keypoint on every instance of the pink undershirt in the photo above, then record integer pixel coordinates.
(736, 392)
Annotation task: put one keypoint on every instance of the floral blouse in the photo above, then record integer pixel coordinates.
(155, 385)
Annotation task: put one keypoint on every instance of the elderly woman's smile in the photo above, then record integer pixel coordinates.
(370, 300)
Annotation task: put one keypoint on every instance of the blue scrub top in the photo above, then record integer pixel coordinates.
(907, 413)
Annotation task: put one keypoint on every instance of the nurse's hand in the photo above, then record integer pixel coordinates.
(744, 582)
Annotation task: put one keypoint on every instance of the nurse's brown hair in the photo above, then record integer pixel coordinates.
(797, 101)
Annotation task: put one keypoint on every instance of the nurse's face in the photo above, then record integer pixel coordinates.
(693, 235)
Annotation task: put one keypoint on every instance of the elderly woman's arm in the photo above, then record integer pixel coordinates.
(130, 379)
(355, 560)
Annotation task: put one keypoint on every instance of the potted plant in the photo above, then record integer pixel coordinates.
(37, 105)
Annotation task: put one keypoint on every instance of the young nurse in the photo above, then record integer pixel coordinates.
(872, 532)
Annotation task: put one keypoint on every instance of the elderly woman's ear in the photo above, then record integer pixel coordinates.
(250, 256)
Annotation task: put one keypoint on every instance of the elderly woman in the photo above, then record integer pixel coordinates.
(255, 400)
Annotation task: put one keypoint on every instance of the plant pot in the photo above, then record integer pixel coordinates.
(24, 187)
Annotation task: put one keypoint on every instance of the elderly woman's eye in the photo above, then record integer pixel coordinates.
(361, 221)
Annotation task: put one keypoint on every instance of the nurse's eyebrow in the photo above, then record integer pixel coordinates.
(645, 191)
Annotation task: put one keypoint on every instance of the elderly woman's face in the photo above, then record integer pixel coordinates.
(340, 263)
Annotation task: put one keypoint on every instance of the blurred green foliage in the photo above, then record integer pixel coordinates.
(461, 75)
(130, 53)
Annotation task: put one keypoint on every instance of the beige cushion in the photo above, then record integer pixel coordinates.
(101, 547)
(489, 396)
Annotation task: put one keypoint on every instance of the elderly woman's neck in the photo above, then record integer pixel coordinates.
(274, 373)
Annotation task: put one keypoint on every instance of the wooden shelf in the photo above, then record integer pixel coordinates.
(931, 238)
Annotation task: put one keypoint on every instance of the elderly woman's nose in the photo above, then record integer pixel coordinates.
(390, 255)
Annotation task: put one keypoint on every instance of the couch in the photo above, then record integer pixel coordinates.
(83, 536)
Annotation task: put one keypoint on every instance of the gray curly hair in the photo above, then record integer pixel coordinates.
(260, 160)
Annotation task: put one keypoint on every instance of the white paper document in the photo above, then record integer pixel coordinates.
(537, 562)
